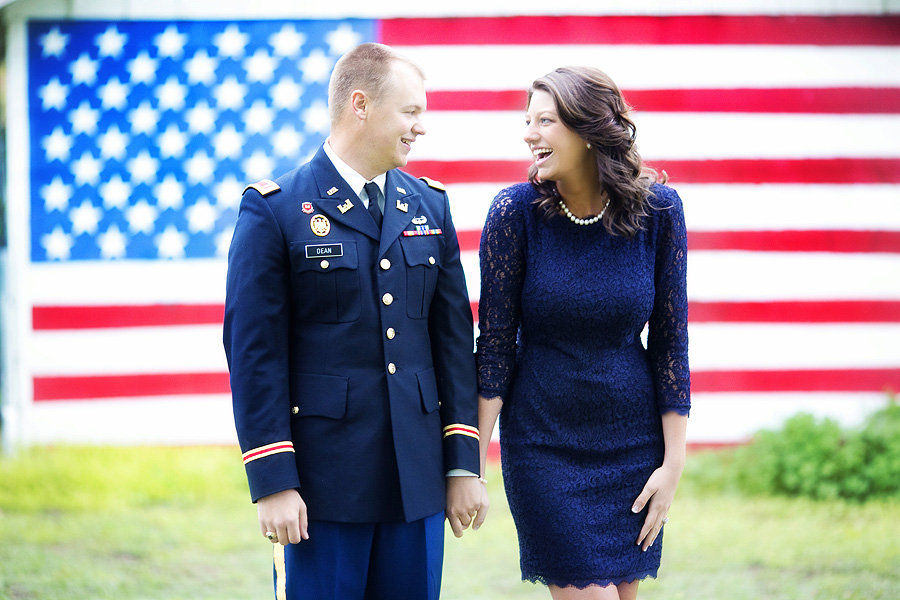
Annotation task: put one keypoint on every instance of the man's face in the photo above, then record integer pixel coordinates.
(395, 119)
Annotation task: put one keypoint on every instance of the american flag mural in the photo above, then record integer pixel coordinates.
(779, 132)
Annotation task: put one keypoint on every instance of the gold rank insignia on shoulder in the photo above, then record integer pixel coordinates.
(264, 187)
(433, 183)
(332, 191)
(345, 206)
(404, 206)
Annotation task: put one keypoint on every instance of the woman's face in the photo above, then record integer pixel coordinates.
(558, 151)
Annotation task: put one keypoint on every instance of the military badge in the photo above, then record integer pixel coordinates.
(404, 206)
(345, 206)
(420, 220)
(332, 191)
(307, 208)
(401, 190)
(320, 225)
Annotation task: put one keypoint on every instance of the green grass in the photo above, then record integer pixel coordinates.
(169, 524)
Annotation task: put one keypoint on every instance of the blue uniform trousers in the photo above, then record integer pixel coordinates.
(363, 561)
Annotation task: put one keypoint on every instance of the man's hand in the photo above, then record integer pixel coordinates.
(467, 503)
(284, 514)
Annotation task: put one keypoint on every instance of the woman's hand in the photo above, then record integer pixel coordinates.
(658, 493)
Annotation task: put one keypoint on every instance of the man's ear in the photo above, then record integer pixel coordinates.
(359, 104)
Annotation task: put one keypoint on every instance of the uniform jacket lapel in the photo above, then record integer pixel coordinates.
(397, 196)
(327, 178)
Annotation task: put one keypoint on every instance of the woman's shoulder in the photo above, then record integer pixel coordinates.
(516, 198)
(663, 197)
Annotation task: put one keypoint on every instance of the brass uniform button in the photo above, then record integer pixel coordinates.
(390, 333)
(295, 410)
(387, 299)
(385, 264)
(431, 260)
(324, 264)
(392, 368)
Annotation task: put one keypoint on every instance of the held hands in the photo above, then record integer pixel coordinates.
(467, 503)
(659, 492)
(283, 514)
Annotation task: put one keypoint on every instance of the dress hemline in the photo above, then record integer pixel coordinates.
(584, 583)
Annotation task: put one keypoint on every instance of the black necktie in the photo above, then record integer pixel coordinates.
(372, 192)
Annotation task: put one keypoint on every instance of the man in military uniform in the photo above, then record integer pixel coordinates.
(348, 334)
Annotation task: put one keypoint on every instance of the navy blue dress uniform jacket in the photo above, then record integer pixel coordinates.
(350, 353)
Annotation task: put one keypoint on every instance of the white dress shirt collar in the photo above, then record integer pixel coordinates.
(356, 181)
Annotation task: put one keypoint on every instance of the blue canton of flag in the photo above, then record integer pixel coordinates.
(144, 134)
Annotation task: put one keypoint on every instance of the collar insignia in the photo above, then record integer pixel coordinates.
(345, 206)
(332, 191)
(404, 206)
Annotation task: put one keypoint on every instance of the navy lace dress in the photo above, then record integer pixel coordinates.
(561, 313)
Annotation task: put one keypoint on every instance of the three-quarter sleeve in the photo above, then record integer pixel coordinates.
(667, 342)
(502, 258)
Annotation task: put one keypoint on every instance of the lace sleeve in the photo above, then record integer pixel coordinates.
(502, 257)
(667, 343)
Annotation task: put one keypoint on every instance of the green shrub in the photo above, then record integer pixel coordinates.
(818, 459)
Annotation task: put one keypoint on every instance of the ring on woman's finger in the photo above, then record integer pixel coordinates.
(272, 537)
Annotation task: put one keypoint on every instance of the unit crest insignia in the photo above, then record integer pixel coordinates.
(320, 225)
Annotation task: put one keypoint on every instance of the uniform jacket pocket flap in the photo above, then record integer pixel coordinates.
(428, 390)
(321, 396)
(323, 257)
(420, 252)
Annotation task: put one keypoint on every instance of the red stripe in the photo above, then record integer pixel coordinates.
(151, 315)
(174, 384)
(271, 449)
(796, 241)
(835, 311)
(747, 100)
(811, 380)
(546, 30)
(123, 386)
(825, 170)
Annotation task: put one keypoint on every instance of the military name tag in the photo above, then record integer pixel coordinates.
(323, 250)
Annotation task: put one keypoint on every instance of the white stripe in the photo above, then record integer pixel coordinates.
(182, 349)
(171, 421)
(721, 346)
(735, 417)
(460, 135)
(792, 276)
(661, 66)
(469, 203)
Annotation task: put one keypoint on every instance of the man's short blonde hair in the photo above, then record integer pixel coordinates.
(367, 68)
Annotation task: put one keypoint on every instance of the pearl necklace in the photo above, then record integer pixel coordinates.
(578, 221)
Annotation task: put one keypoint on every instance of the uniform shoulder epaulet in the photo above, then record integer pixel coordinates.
(264, 187)
(433, 183)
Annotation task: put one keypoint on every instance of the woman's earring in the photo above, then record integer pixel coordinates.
(589, 145)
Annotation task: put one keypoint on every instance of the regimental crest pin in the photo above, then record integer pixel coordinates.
(332, 191)
(307, 208)
(345, 206)
(404, 206)
(320, 225)
(420, 220)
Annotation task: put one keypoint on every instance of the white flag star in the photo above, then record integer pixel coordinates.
(113, 144)
(231, 42)
(223, 241)
(169, 193)
(260, 67)
(143, 168)
(202, 216)
(201, 68)
(112, 242)
(230, 94)
(111, 42)
(286, 94)
(316, 118)
(171, 242)
(201, 118)
(86, 170)
(142, 69)
(228, 193)
(342, 39)
(84, 70)
(144, 118)
(56, 195)
(258, 166)
(53, 43)
(287, 141)
(57, 145)
(115, 193)
(85, 218)
(170, 43)
(172, 142)
(200, 168)
(228, 142)
(171, 94)
(258, 118)
(114, 94)
(316, 67)
(287, 41)
(84, 119)
(141, 217)
(57, 244)
(53, 95)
